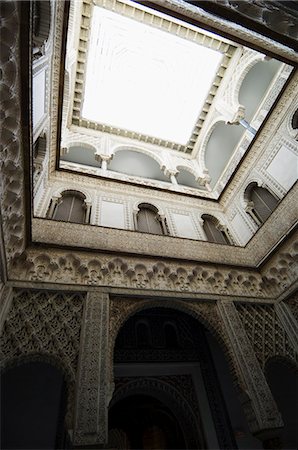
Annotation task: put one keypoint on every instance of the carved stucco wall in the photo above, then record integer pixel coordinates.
(44, 325)
(12, 189)
(266, 332)
(224, 323)
(292, 303)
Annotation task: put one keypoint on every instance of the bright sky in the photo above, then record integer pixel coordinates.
(145, 80)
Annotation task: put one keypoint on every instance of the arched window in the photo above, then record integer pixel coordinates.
(295, 120)
(170, 333)
(41, 26)
(143, 335)
(149, 221)
(214, 231)
(71, 207)
(260, 202)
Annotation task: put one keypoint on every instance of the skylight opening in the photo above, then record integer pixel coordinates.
(145, 80)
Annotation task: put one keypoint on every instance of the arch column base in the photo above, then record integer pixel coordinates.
(270, 438)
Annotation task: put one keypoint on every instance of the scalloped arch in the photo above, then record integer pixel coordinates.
(59, 191)
(144, 151)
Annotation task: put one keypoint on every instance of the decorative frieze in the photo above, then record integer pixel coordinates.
(139, 273)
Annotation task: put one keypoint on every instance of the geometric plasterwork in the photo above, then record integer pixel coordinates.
(265, 332)
(94, 389)
(292, 304)
(50, 265)
(260, 407)
(11, 154)
(223, 321)
(44, 325)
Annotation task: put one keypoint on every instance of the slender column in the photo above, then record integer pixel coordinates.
(263, 415)
(93, 384)
(135, 219)
(88, 209)
(248, 127)
(53, 206)
(163, 224)
(173, 178)
(288, 322)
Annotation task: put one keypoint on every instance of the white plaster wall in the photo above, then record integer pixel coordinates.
(112, 214)
(284, 167)
(38, 92)
(240, 227)
(184, 226)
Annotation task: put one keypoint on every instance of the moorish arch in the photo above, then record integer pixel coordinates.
(170, 403)
(41, 391)
(121, 310)
(197, 314)
(137, 161)
(203, 313)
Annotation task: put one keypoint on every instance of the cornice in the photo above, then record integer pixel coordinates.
(153, 275)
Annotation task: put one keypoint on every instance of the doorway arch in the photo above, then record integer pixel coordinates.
(187, 352)
(151, 415)
(34, 405)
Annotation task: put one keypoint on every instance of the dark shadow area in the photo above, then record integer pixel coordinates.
(282, 378)
(33, 403)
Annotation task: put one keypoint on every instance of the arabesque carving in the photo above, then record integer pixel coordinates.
(292, 303)
(11, 154)
(265, 332)
(260, 407)
(139, 273)
(93, 388)
(44, 323)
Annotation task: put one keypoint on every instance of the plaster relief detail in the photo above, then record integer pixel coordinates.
(260, 406)
(266, 332)
(93, 388)
(138, 273)
(41, 325)
(11, 157)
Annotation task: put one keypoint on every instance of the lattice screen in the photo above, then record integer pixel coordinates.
(265, 332)
(43, 322)
(292, 303)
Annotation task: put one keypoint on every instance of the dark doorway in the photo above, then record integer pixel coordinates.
(146, 423)
(178, 362)
(33, 403)
(282, 378)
